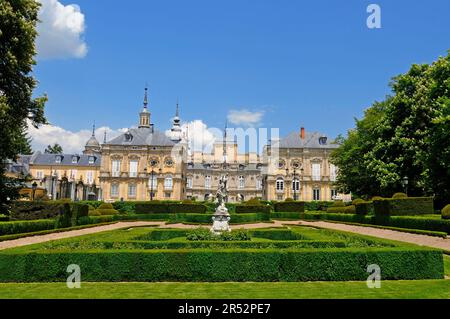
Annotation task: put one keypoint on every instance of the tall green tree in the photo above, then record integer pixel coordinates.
(18, 20)
(55, 149)
(407, 135)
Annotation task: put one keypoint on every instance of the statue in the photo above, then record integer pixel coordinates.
(222, 191)
(221, 217)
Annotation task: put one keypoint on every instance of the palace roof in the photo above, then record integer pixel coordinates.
(311, 140)
(142, 136)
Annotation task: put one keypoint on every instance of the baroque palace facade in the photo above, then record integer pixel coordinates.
(146, 164)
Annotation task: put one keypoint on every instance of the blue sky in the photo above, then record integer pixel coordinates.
(310, 63)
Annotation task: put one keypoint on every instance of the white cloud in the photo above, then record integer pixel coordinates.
(71, 142)
(60, 31)
(245, 117)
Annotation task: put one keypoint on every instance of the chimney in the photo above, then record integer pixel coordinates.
(302, 133)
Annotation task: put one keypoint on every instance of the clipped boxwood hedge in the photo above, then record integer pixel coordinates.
(245, 209)
(298, 207)
(29, 210)
(409, 222)
(403, 206)
(285, 215)
(169, 208)
(213, 265)
(363, 207)
(26, 226)
(351, 209)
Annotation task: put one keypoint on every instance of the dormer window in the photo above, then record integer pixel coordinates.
(128, 137)
(74, 159)
(322, 140)
(91, 159)
(58, 159)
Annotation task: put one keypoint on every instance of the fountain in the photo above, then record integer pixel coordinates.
(221, 216)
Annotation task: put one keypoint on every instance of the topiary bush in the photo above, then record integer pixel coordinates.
(289, 199)
(446, 212)
(363, 207)
(357, 201)
(253, 202)
(342, 210)
(399, 195)
(107, 209)
(404, 206)
(377, 198)
(338, 203)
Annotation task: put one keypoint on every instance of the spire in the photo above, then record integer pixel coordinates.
(145, 96)
(93, 129)
(176, 132)
(225, 142)
(144, 115)
(104, 137)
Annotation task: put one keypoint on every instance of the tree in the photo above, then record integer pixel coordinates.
(407, 135)
(24, 144)
(18, 20)
(55, 149)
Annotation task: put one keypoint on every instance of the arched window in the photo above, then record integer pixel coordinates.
(241, 182)
(168, 182)
(279, 185)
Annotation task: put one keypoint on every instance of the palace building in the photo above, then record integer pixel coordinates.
(147, 164)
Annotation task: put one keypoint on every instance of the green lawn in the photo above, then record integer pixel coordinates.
(233, 290)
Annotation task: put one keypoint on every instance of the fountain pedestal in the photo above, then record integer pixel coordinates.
(220, 220)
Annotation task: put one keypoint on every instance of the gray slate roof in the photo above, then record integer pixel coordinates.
(142, 136)
(21, 165)
(311, 140)
(50, 159)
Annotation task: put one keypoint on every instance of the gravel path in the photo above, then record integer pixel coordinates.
(422, 240)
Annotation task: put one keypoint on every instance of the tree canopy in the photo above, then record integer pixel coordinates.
(55, 149)
(18, 20)
(406, 135)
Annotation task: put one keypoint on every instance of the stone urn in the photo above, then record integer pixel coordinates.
(220, 220)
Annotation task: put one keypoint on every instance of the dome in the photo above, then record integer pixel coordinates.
(92, 142)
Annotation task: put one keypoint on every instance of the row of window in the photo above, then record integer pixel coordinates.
(279, 184)
(316, 194)
(72, 175)
(315, 174)
(208, 181)
(75, 159)
(133, 167)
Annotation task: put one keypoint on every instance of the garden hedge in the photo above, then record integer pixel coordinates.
(212, 265)
(289, 207)
(409, 222)
(244, 209)
(363, 207)
(26, 226)
(168, 208)
(29, 210)
(403, 206)
(318, 205)
(342, 209)
(285, 215)
(216, 244)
